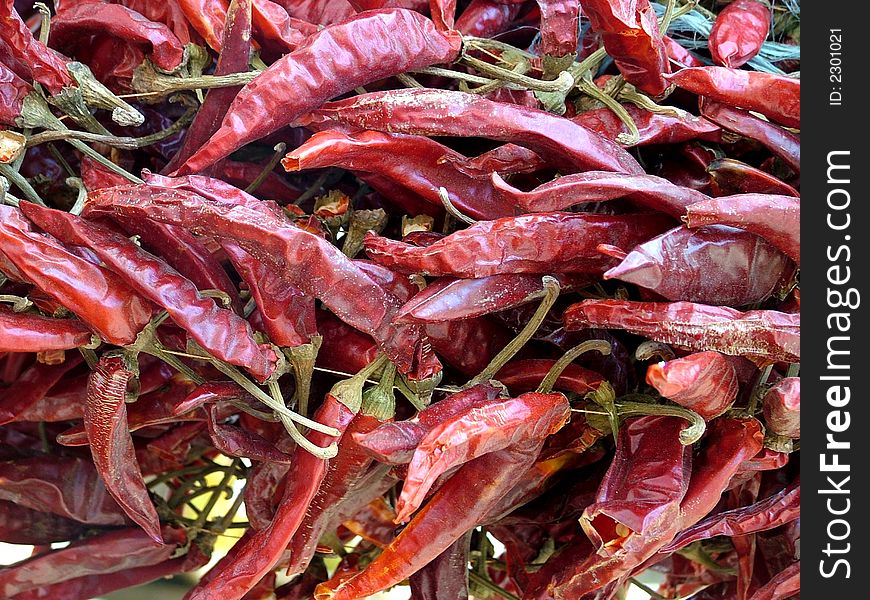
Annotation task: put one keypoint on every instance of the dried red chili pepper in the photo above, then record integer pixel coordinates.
(782, 586)
(731, 176)
(21, 525)
(711, 265)
(13, 89)
(774, 218)
(236, 441)
(653, 127)
(630, 31)
(276, 29)
(739, 31)
(704, 382)
(565, 243)
(34, 333)
(99, 297)
(343, 348)
(527, 374)
(762, 335)
(774, 96)
(31, 386)
(207, 17)
(105, 417)
(678, 54)
(782, 407)
(486, 18)
(220, 331)
(331, 63)
(560, 27)
(168, 13)
(446, 576)
(44, 64)
(421, 111)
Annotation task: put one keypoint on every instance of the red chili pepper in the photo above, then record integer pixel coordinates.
(679, 55)
(105, 417)
(782, 586)
(343, 348)
(21, 525)
(31, 386)
(446, 576)
(653, 127)
(711, 265)
(207, 17)
(169, 13)
(99, 297)
(421, 111)
(565, 242)
(276, 29)
(731, 176)
(325, 12)
(739, 31)
(774, 218)
(526, 374)
(764, 336)
(774, 96)
(236, 441)
(704, 382)
(331, 63)
(782, 407)
(13, 89)
(630, 31)
(486, 18)
(33, 333)
(560, 25)
(44, 64)
(220, 331)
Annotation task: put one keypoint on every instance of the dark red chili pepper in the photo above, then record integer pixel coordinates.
(486, 18)
(653, 127)
(168, 13)
(13, 89)
(782, 586)
(762, 335)
(34, 333)
(343, 348)
(774, 96)
(446, 576)
(565, 242)
(711, 265)
(704, 382)
(331, 63)
(739, 31)
(774, 218)
(21, 525)
(731, 176)
(526, 374)
(278, 30)
(44, 64)
(430, 112)
(782, 407)
(99, 297)
(31, 386)
(105, 417)
(630, 31)
(207, 17)
(236, 441)
(220, 331)
(468, 344)
(597, 186)
(560, 26)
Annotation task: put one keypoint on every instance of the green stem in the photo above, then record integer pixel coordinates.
(21, 183)
(81, 197)
(301, 359)
(19, 303)
(561, 84)
(688, 436)
(592, 90)
(570, 356)
(665, 21)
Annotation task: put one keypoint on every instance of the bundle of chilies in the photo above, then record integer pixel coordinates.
(518, 319)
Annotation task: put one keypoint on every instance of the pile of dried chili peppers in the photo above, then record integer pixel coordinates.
(497, 299)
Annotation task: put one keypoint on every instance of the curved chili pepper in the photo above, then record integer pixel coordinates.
(630, 31)
(467, 345)
(704, 382)
(774, 218)
(762, 335)
(331, 63)
(21, 525)
(566, 243)
(235, 441)
(653, 127)
(774, 96)
(44, 64)
(421, 111)
(782, 586)
(782, 407)
(98, 296)
(526, 374)
(486, 18)
(739, 31)
(34, 333)
(477, 431)
(31, 386)
(74, 23)
(731, 176)
(105, 417)
(649, 191)
(168, 13)
(220, 331)
(207, 17)
(278, 30)
(780, 142)
(13, 89)
(711, 265)
(678, 54)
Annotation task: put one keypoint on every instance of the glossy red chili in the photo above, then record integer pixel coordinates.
(704, 382)
(739, 31)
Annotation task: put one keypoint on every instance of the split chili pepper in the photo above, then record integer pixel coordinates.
(704, 382)
(630, 31)
(774, 96)
(774, 218)
(739, 31)
(421, 111)
(31, 386)
(486, 18)
(566, 243)
(765, 336)
(105, 417)
(20, 332)
(240, 571)
(96, 295)
(711, 265)
(782, 407)
(649, 191)
(331, 63)
(220, 331)
(731, 176)
(44, 64)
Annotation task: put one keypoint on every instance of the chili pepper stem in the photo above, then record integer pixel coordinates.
(379, 401)
(592, 90)
(451, 209)
(688, 436)
(551, 292)
(301, 359)
(21, 183)
(349, 391)
(147, 79)
(97, 95)
(561, 84)
(279, 148)
(570, 356)
(361, 222)
(648, 349)
(489, 585)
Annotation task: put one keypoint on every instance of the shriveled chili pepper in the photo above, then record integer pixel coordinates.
(22, 525)
(565, 243)
(711, 265)
(731, 176)
(235, 441)
(631, 36)
(220, 331)
(207, 17)
(774, 96)
(560, 26)
(44, 64)
(782, 586)
(99, 297)
(421, 111)
(105, 417)
(21, 332)
(278, 30)
(486, 18)
(374, 523)
(526, 374)
(774, 218)
(761, 335)
(330, 63)
(13, 89)
(653, 127)
(31, 387)
(739, 31)
(168, 13)
(343, 348)
(782, 407)
(678, 54)
(704, 382)
(649, 191)
(446, 576)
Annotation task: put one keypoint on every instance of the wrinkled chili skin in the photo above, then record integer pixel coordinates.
(31, 386)
(566, 242)
(22, 525)
(560, 22)
(704, 382)
(44, 64)
(762, 335)
(730, 177)
(783, 585)
(774, 96)
(782, 407)
(331, 62)
(207, 18)
(739, 31)
(445, 576)
(653, 128)
(34, 333)
(13, 89)
(486, 18)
